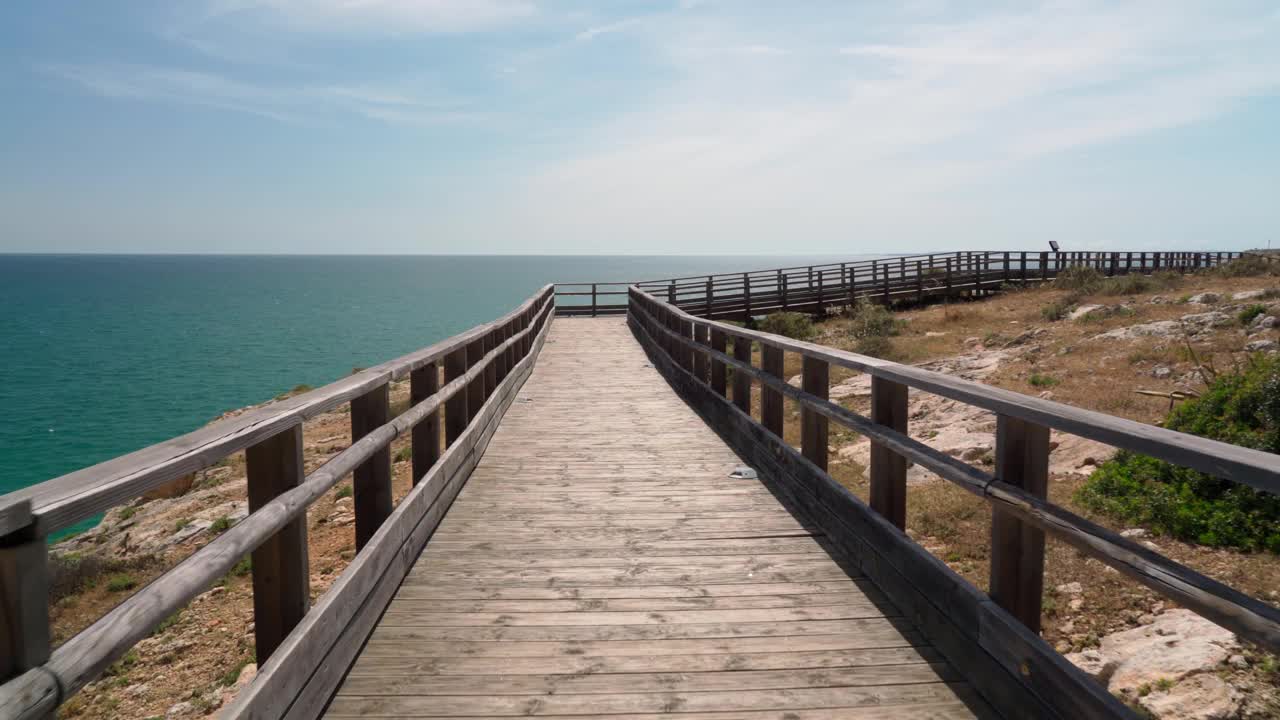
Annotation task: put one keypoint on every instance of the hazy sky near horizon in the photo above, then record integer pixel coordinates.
(703, 127)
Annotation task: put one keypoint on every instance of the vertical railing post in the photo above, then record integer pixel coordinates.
(742, 380)
(948, 278)
(1008, 271)
(711, 291)
(771, 406)
(1017, 548)
(281, 570)
(885, 267)
(821, 287)
(919, 282)
(687, 354)
(1044, 266)
(700, 358)
(671, 293)
(475, 388)
(785, 279)
(423, 383)
(490, 370)
(456, 413)
(24, 594)
(593, 300)
(1023, 263)
(719, 378)
(889, 469)
(371, 480)
(815, 380)
(1113, 268)
(746, 298)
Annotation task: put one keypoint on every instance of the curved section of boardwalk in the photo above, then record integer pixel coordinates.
(601, 561)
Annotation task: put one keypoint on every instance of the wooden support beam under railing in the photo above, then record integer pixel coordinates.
(815, 379)
(1017, 548)
(888, 469)
(742, 381)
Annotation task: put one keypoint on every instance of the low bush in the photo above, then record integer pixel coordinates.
(1247, 266)
(1247, 315)
(1042, 381)
(1242, 408)
(1059, 309)
(794, 325)
(871, 326)
(1079, 277)
(120, 583)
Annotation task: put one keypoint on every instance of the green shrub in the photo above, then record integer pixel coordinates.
(244, 567)
(221, 525)
(343, 492)
(403, 454)
(1240, 408)
(794, 325)
(1127, 285)
(1079, 277)
(1247, 266)
(1058, 309)
(877, 346)
(1041, 381)
(120, 583)
(1247, 315)
(868, 319)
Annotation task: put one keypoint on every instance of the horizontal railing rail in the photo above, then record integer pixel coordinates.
(302, 651)
(906, 278)
(695, 355)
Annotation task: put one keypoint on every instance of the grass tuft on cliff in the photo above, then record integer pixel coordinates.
(1242, 408)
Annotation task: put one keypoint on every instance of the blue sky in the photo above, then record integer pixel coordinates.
(540, 126)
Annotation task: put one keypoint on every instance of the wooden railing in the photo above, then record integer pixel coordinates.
(904, 279)
(992, 638)
(302, 651)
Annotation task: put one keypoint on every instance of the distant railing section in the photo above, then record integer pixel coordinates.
(899, 279)
(694, 354)
(302, 651)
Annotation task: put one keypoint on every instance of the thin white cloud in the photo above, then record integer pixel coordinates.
(299, 105)
(382, 16)
(607, 29)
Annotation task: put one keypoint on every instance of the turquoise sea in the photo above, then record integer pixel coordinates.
(101, 355)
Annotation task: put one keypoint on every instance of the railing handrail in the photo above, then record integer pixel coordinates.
(508, 345)
(1250, 618)
(65, 500)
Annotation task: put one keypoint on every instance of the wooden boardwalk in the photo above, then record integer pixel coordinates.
(601, 562)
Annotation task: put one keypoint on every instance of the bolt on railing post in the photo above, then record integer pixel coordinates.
(423, 383)
(889, 469)
(719, 376)
(281, 571)
(371, 480)
(742, 380)
(1017, 548)
(815, 380)
(24, 595)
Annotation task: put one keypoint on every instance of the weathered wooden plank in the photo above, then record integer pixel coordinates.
(568, 663)
(884, 698)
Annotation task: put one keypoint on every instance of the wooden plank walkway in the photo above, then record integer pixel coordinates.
(601, 562)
